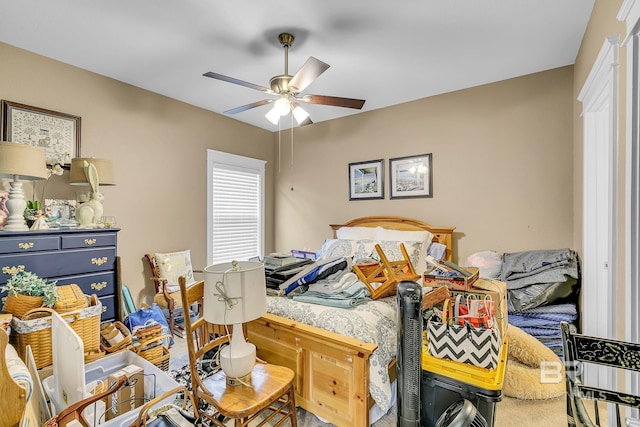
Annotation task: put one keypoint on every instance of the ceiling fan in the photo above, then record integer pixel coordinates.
(289, 89)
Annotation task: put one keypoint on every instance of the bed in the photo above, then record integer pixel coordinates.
(334, 371)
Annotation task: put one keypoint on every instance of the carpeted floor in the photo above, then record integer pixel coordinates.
(509, 412)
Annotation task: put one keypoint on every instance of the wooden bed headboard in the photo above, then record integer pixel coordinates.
(442, 235)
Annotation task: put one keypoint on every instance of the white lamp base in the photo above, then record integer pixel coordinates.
(16, 206)
(238, 358)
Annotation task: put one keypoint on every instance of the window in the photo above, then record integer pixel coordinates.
(235, 207)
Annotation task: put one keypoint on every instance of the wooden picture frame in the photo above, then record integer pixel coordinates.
(411, 176)
(366, 180)
(57, 133)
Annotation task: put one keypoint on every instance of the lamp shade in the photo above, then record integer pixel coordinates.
(234, 292)
(23, 160)
(103, 166)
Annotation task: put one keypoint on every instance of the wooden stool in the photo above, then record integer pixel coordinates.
(387, 273)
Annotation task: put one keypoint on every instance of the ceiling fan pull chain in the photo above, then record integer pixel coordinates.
(291, 129)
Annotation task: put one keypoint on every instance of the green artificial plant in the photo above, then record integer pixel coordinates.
(27, 283)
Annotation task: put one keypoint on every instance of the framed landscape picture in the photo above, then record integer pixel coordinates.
(411, 176)
(57, 133)
(366, 180)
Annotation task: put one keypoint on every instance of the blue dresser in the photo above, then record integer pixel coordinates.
(86, 258)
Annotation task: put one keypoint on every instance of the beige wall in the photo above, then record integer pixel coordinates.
(603, 23)
(502, 166)
(502, 161)
(158, 148)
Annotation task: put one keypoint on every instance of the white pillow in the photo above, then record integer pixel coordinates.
(415, 251)
(356, 233)
(410, 236)
(337, 248)
(173, 265)
(403, 236)
(364, 251)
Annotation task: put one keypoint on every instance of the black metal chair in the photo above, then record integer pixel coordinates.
(580, 349)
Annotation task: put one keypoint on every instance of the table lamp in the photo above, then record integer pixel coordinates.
(93, 172)
(20, 161)
(235, 293)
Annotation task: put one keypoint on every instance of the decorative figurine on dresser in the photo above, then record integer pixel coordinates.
(83, 257)
(93, 172)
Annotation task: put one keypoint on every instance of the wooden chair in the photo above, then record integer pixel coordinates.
(580, 349)
(268, 396)
(382, 278)
(73, 413)
(167, 295)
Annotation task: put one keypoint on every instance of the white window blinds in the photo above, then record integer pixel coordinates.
(236, 207)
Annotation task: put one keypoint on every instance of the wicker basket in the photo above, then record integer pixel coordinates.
(34, 329)
(19, 305)
(122, 345)
(148, 333)
(154, 351)
(162, 362)
(70, 297)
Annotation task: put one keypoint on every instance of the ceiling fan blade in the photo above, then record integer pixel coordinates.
(248, 106)
(333, 100)
(309, 71)
(237, 82)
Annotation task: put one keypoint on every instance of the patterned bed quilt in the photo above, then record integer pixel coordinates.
(371, 322)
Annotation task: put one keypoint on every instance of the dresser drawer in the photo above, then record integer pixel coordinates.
(60, 263)
(24, 244)
(108, 308)
(100, 284)
(89, 240)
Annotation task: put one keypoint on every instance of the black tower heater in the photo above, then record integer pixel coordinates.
(408, 359)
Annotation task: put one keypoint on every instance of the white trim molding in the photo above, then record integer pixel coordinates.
(630, 13)
(599, 97)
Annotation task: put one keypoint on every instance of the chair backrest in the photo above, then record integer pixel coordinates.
(201, 335)
(155, 271)
(580, 349)
(167, 267)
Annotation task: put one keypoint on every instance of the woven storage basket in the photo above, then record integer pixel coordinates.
(162, 362)
(147, 333)
(70, 297)
(122, 345)
(92, 356)
(34, 329)
(154, 351)
(19, 305)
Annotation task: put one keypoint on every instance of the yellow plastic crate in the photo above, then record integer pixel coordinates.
(488, 379)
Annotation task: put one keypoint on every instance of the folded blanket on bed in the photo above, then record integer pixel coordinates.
(355, 294)
(373, 322)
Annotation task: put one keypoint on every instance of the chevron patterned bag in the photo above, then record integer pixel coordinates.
(476, 346)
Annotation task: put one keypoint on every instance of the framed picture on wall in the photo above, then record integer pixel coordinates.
(366, 180)
(411, 176)
(57, 133)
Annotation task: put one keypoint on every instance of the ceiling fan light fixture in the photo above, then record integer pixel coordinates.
(300, 114)
(273, 115)
(282, 106)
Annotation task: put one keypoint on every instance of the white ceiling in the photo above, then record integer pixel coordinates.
(384, 52)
